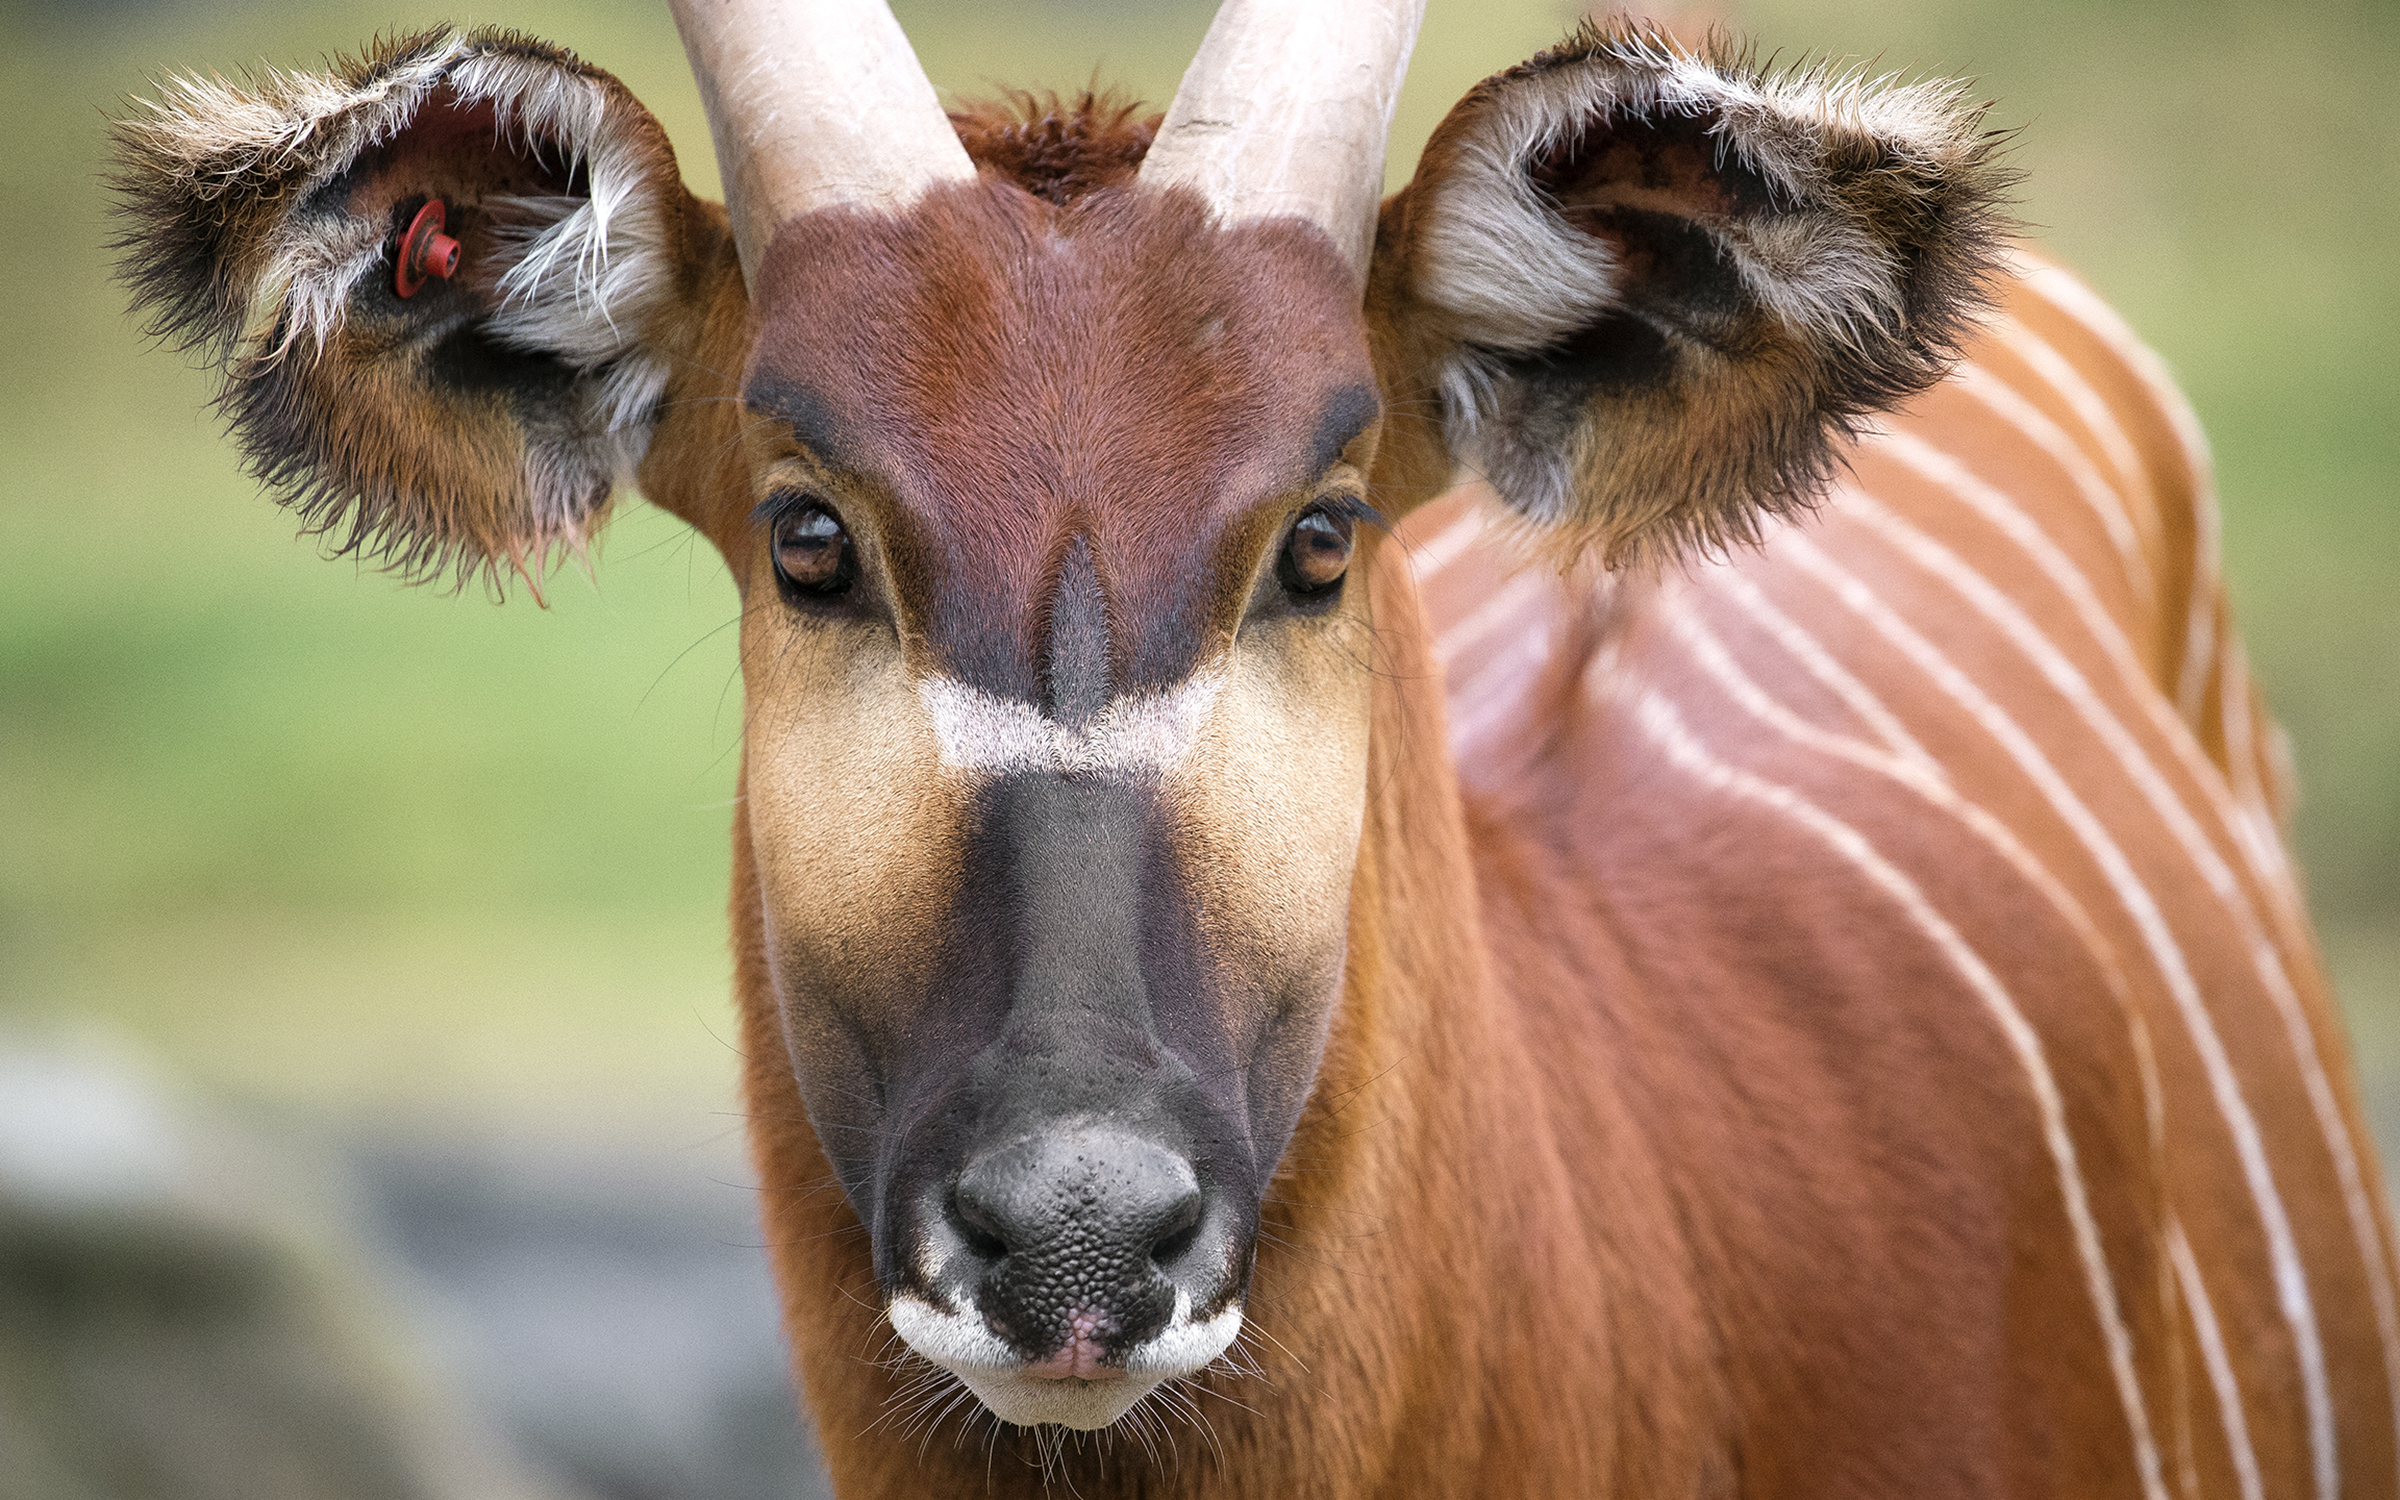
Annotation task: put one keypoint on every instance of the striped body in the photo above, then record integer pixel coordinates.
(1219, 1020)
(1946, 948)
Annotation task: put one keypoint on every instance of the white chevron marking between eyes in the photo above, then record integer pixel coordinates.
(987, 734)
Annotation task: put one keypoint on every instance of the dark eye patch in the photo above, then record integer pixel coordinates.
(812, 419)
(1347, 413)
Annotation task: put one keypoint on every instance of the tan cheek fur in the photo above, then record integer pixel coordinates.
(857, 828)
(1268, 805)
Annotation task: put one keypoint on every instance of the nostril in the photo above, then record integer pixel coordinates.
(978, 1224)
(1177, 1241)
(981, 1242)
(1176, 1217)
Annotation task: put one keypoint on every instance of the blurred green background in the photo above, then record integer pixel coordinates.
(329, 843)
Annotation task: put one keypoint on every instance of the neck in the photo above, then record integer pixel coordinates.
(1449, 1275)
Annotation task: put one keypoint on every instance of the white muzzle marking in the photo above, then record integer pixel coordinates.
(961, 1344)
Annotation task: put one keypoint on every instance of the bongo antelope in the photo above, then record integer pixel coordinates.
(1328, 899)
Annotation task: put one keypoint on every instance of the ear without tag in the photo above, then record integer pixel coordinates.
(425, 251)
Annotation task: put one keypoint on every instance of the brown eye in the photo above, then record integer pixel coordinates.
(1317, 553)
(813, 553)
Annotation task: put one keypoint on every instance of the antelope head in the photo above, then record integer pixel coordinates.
(1052, 461)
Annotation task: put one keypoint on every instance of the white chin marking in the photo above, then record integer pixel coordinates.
(960, 1343)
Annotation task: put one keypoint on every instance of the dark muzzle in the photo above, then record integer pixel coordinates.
(1075, 1232)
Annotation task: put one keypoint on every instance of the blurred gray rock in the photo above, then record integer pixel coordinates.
(610, 1306)
(197, 1309)
(182, 1315)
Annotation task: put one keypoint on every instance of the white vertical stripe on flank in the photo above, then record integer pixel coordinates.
(2220, 1367)
(2233, 714)
(2086, 307)
(1491, 614)
(2291, 1279)
(2081, 303)
(2107, 504)
(2090, 407)
(1447, 545)
(1928, 780)
(1820, 664)
(2253, 822)
(1934, 787)
(1471, 721)
(2266, 862)
(2199, 652)
(1666, 729)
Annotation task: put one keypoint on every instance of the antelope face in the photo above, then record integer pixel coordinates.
(1056, 652)
(1044, 471)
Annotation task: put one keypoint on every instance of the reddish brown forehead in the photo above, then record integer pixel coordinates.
(1014, 374)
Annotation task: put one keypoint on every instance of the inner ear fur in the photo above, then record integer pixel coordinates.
(482, 423)
(1652, 290)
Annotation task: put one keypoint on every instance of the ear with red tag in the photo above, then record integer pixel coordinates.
(1651, 290)
(449, 285)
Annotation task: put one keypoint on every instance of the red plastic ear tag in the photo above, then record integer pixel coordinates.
(425, 251)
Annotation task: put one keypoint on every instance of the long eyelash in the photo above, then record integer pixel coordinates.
(1356, 508)
(784, 502)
